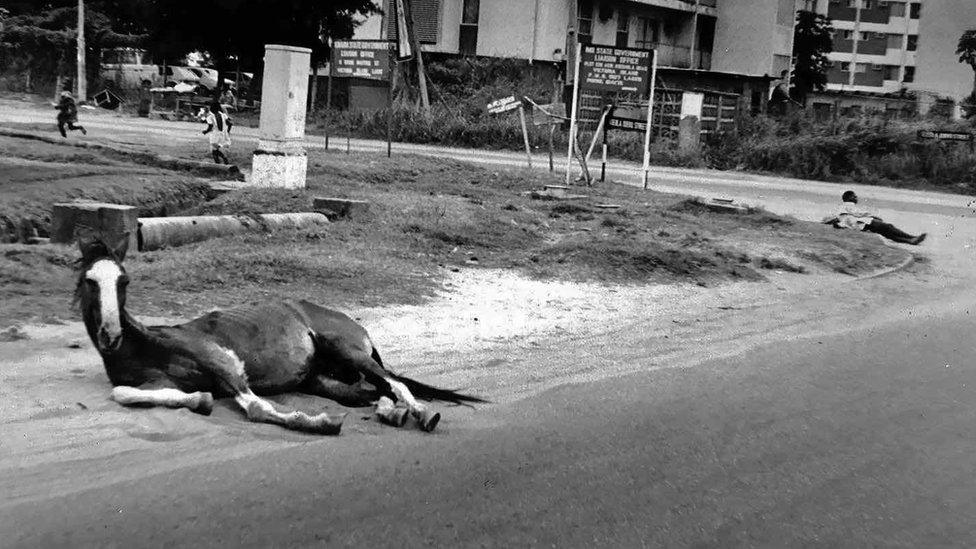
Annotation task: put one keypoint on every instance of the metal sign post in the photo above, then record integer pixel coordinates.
(525, 134)
(650, 111)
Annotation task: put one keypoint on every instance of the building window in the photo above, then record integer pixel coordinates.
(912, 42)
(852, 3)
(426, 20)
(623, 29)
(909, 74)
(584, 22)
(867, 4)
(845, 66)
(897, 9)
(915, 11)
(895, 41)
(647, 33)
(891, 72)
(860, 67)
(865, 36)
(468, 39)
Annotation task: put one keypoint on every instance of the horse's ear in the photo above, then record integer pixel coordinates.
(89, 241)
(120, 246)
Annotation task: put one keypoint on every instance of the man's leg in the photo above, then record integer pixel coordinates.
(890, 232)
(61, 129)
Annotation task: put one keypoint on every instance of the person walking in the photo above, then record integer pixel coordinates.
(852, 217)
(218, 126)
(68, 114)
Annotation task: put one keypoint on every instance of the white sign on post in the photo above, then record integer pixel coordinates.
(504, 104)
(507, 104)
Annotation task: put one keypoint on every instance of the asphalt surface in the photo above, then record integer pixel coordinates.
(862, 440)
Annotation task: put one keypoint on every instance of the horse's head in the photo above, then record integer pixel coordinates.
(101, 288)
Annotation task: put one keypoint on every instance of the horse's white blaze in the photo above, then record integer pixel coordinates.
(106, 273)
(171, 398)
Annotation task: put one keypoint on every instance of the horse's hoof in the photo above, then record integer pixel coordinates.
(428, 420)
(396, 417)
(204, 404)
(323, 424)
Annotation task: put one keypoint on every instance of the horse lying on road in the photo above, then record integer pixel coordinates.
(279, 347)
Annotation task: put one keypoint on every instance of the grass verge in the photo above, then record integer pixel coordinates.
(427, 217)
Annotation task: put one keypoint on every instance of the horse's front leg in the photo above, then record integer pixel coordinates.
(153, 395)
(229, 370)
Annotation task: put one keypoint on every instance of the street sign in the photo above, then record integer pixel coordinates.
(606, 68)
(368, 59)
(504, 104)
(626, 124)
(945, 136)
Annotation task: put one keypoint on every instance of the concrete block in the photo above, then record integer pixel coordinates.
(111, 220)
(278, 170)
(340, 207)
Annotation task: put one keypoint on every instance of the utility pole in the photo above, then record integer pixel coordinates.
(82, 87)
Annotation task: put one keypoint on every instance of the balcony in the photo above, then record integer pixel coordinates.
(876, 15)
(673, 56)
(840, 12)
(875, 46)
(706, 7)
(873, 77)
(843, 45)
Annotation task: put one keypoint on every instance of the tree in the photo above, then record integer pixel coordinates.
(966, 49)
(811, 44)
(241, 28)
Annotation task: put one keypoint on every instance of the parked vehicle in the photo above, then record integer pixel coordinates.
(131, 68)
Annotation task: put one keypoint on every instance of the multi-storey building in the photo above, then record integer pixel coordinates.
(875, 43)
(753, 37)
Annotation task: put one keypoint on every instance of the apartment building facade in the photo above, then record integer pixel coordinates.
(875, 43)
(752, 37)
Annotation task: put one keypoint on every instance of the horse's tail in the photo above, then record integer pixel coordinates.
(428, 392)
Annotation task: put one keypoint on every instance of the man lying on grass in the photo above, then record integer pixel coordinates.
(852, 217)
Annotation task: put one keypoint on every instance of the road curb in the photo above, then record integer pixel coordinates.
(889, 270)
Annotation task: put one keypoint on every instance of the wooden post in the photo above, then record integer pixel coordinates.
(650, 111)
(328, 93)
(603, 165)
(82, 77)
(421, 74)
(525, 135)
(552, 131)
(315, 88)
(389, 107)
(572, 116)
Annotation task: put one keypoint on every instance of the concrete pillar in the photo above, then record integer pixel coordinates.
(689, 126)
(280, 160)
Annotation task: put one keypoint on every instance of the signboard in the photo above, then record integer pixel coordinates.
(945, 136)
(368, 59)
(606, 68)
(504, 104)
(626, 124)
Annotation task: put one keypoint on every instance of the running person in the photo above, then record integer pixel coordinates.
(218, 126)
(68, 114)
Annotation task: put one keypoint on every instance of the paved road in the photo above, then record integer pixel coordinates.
(860, 440)
(863, 440)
